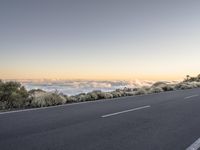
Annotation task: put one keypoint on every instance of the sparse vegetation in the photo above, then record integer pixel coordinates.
(14, 96)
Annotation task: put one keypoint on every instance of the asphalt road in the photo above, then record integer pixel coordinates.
(164, 121)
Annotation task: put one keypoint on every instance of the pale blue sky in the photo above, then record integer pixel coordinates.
(99, 39)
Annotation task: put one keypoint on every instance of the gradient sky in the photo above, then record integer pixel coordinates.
(99, 39)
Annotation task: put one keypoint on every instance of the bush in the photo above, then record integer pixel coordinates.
(187, 85)
(129, 93)
(72, 99)
(100, 94)
(195, 84)
(108, 95)
(47, 99)
(33, 91)
(140, 91)
(146, 88)
(105, 95)
(155, 90)
(192, 79)
(162, 86)
(84, 97)
(198, 84)
(168, 88)
(116, 94)
(128, 89)
(159, 84)
(93, 95)
(13, 95)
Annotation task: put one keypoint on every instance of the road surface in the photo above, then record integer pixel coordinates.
(164, 121)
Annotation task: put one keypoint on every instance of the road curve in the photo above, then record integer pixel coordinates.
(164, 121)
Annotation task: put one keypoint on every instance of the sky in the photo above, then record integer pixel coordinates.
(99, 39)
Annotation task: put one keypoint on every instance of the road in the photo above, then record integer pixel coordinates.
(164, 121)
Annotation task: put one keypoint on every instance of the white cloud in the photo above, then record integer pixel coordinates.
(72, 87)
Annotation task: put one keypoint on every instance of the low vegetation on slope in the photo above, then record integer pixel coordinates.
(14, 96)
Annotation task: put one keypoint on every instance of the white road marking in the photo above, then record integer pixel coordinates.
(195, 145)
(49, 107)
(191, 96)
(65, 105)
(125, 111)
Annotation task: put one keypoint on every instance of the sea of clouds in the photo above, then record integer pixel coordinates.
(73, 87)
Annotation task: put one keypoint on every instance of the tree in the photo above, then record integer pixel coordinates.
(187, 78)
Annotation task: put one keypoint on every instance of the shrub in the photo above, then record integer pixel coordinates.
(12, 95)
(164, 86)
(72, 99)
(47, 99)
(84, 97)
(192, 79)
(105, 95)
(195, 84)
(124, 92)
(128, 89)
(108, 95)
(33, 91)
(116, 94)
(100, 94)
(187, 85)
(129, 93)
(159, 84)
(89, 97)
(140, 91)
(198, 84)
(155, 90)
(93, 95)
(146, 88)
(168, 87)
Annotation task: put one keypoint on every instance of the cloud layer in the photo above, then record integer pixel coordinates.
(72, 87)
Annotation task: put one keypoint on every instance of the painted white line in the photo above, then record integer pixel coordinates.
(125, 111)
(191, 96)
(48, 107)
(69, 104)
(195, 145)
(62, 105)
(16, 111)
